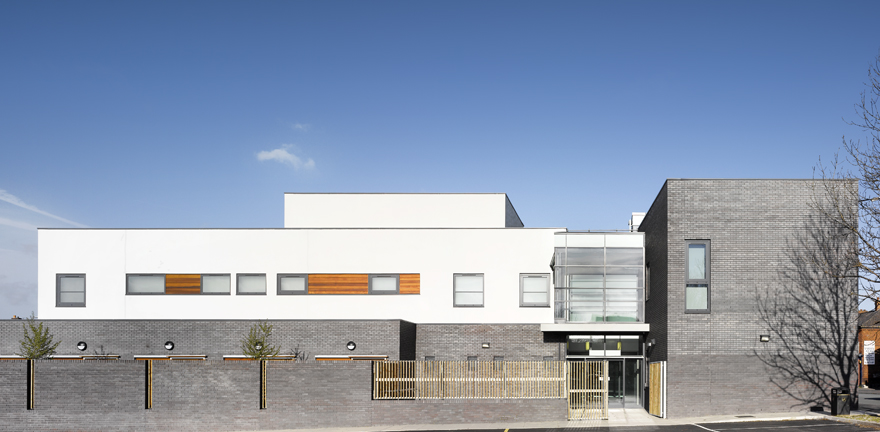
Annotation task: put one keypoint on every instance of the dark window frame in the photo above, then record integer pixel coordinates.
(128, 292)
(202, 284)
(545, 276)
(58, 277)
(705, 281)
(238, 284)
(482, 290)
(383, 275)
(280, 276)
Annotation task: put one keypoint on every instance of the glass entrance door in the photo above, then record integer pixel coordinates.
(624, 382)
(616, 380)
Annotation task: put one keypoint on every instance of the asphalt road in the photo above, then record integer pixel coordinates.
(869, 400)
(765, 426)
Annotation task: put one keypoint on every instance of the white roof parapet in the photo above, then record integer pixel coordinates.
(399, 210)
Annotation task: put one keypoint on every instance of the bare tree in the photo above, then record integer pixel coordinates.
(812, 316)
(855, 205)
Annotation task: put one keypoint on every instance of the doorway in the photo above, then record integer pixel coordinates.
(624, 382)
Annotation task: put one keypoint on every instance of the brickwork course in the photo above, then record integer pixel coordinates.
(216, 338)
(218, 395)
(712, 368)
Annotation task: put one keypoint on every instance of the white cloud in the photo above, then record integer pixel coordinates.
(302, 126)
(284, 156)
(12, 199)
(17, 224)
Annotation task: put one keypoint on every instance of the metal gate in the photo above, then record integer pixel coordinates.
(657, 389)
(587, 390)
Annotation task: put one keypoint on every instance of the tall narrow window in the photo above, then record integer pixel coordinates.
(534, 290)
(70, 290)
(467, 290)
(697, 294)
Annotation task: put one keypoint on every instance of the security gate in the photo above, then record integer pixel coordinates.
(657, 389)
(587, 390)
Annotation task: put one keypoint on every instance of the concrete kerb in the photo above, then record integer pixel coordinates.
(874, 425)
(636, 417)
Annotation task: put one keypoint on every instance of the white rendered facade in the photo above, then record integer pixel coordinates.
(501, 255)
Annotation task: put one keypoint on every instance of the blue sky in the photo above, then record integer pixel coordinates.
(202, 114)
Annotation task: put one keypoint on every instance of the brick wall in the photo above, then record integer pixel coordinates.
(712, 368)
(213, 338)
(870, 374)
(458, 341)
(216, 396)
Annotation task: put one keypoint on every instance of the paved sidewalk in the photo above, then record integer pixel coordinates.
(616, 418)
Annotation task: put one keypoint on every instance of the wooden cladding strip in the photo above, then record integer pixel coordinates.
(183, 284)
(339, 284)
(409, 283)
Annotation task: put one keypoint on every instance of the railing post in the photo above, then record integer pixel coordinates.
(30, 384)
(262, 384)
(148, 384)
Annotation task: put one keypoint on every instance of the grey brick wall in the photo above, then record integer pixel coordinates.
(13, 385)
(213, 338)
(217, 395)
(750, 223)
(656, 244)
(458, 341)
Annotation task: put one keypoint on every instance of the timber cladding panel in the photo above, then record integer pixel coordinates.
(409, 283)
(183, 284)
(339, 284)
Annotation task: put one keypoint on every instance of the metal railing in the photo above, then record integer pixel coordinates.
(469, 380)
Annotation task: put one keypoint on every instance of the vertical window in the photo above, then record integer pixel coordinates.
(251, 284)
(647, 281)
(534, 290)
(70, 290)
(216, 284)
(697, 293)
(292, 284)
(384, 284)
(467, 290)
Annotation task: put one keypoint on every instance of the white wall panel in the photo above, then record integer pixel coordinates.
(105, 256)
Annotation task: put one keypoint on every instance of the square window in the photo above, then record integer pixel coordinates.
(70, 290)
(216, 284)
(467, 290)
(293, 284)
(384, 284)
(251, 284)
(534, 290)
(697, 294)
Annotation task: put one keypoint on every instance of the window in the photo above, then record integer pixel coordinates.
(251, 284)
(70, 290)
(292, 284)
(145, 284)
(471, 358)
(216, 284)
(467, 290)
(534, 290)
(384, 284)
(697, 294)
(647, 281)
(429, 358)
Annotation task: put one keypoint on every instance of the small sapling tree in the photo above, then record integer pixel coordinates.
(37, 342)
(256, 345)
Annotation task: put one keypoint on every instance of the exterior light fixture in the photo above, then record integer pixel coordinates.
(81, 346)
(765, 338)
(351, 346)
(169, 345)
(258, 346)
(485, 345)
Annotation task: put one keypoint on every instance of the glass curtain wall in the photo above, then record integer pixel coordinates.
(599, 277)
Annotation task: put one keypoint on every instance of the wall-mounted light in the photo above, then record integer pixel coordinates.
(81, 346)
(485, 345)
(169, 345)
(258, 346)
(351, 346)
(765, 338)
